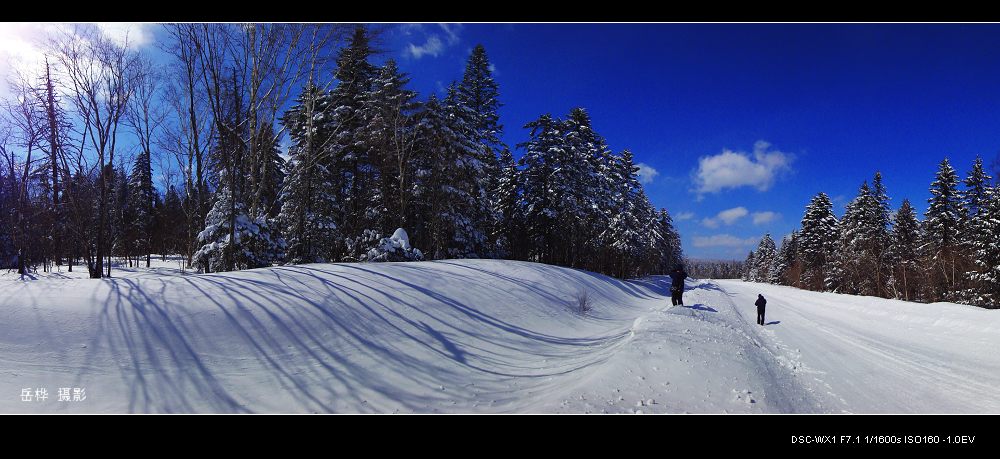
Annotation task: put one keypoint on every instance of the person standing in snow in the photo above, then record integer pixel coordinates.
(761, 302)
(677, 286)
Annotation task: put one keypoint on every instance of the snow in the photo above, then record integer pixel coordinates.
(479, 336)
(400, 236)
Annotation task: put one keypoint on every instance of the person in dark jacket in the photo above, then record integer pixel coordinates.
(761, 302)
(677, 286)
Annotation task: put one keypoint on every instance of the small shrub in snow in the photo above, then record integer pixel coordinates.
(583, 303)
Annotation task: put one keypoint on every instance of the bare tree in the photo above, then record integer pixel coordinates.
(101, 76)
(27, 131)
(188, 136)
(145, 117)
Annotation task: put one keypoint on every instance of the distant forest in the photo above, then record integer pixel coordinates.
(953, 254)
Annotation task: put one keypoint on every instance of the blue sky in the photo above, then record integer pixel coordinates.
(743, 123)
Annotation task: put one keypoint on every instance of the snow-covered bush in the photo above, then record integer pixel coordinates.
(394, 248)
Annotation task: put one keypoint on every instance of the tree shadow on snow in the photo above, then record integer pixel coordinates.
(307, 336)
(701, 307)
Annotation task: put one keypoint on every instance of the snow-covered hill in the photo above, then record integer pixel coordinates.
(480, 336)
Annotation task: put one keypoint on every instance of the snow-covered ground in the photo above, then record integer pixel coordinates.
(479, 336)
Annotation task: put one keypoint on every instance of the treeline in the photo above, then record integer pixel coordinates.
(953, 254)
(714, 269)
(364, 156)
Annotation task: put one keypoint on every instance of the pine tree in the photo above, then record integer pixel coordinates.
(346, 152)
(587, 211)
(903, 253)
(784, 263)
(508, 208)
(881, 240)
(624, 230)
(539, 166)
(763, 259)
(976, 194)
(975, 200)
(269, 172)
(455, 205)
(142, 199)
(479, 95)
(309, 192)
(390, 134)
(818, 239)
(234, 237)
(944, 224)
(986, 250)
(859, 254)
(670, 253)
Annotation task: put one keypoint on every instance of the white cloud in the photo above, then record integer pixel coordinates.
(408, 29)
(22, 45)
(728, 217)
(135, 35)
(451, 30)
(646, 173)
(760, 218)
(684, 216)
(723, 240)
(732, 169)
(434, 44)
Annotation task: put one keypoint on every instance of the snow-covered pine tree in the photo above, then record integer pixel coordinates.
(648, 252)
(507, 208)
(942, 247)
(763, 259)
(818, 240)
(903, 253)
(468, 215)
(975, 199)
(233, 238)
(346, 153)
(309, 209)
(390, 135)
(671, 253)
(589, 210)
(479, 94)
(858, 251)
(539, 165)
(882, 240)
(624, 230)
(986, 250)
(454, 215)
(781, 267)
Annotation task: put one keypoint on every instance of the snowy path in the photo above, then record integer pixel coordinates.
(870, 355)
(480, 336)
(699, 358)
